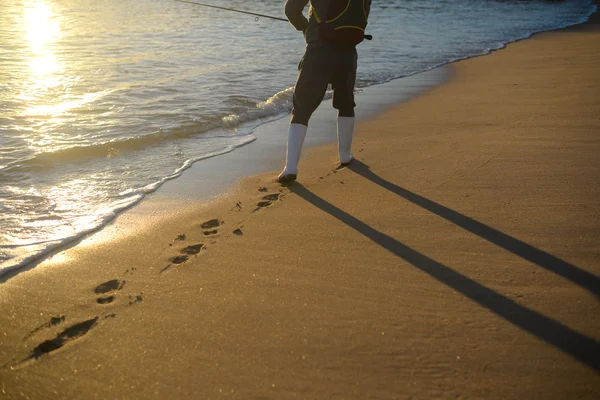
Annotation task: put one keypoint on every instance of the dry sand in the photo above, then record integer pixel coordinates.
(459, 257)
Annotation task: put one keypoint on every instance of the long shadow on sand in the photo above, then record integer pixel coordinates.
(547, 261)
(582, 348)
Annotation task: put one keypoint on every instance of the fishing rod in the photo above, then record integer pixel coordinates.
(367, 37)
(234, 10)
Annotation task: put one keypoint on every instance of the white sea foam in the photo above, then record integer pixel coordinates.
(24, 253)
(276, 104)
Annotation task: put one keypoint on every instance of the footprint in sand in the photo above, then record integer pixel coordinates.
(106, 299)
(267, 200)
(109, 286)
(213, 223)
(174, 261)
(80, 329)
(73, 332)
(186, 252)
(178, 259)
(193, 249)
(263, 204)
(272, 197)
(238, 232)
(210, 225)
(53, 322)
(106, 287)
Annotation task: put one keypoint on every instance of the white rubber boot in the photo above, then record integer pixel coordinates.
(294, 148)
(345, 129)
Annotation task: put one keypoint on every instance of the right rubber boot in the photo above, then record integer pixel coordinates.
(296, 137)
(345, 130)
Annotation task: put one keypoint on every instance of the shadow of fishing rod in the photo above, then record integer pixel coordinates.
(257, 15)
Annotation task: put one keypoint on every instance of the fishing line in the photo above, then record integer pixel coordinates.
(257, 15)
(234, 10)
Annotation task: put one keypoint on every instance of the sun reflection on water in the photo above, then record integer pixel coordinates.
(64, 106)
(41, 27)
(42, 32)
(47, 89)
(51, 97)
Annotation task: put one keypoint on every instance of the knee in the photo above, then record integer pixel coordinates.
(300, 119)
(344, 103)
(346, 112)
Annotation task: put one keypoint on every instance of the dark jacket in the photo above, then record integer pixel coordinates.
(293, 12)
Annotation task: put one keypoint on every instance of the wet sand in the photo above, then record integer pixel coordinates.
(458, 257)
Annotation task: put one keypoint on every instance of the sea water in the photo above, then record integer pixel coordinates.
(103, 101)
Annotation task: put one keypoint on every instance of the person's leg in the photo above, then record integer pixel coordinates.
(311, 85)
(296, 135)
(343, 100)
(345, 131)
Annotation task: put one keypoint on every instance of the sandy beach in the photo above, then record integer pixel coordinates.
(457, 257)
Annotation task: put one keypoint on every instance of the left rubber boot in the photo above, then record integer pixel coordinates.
(296, 137)
(345, 130)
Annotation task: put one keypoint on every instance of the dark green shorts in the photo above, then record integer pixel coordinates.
(319, 67)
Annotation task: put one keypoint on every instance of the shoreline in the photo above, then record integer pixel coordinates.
(365, 282)
(410, 87)
(210, 178)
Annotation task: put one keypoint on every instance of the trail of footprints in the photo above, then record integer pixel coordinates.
(106, 293)
(210, 229)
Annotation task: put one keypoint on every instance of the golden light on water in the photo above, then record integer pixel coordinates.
(64, 106)
(42, 31)
(41, 27)
(43, 65)
(48, 92)
(46, 89)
